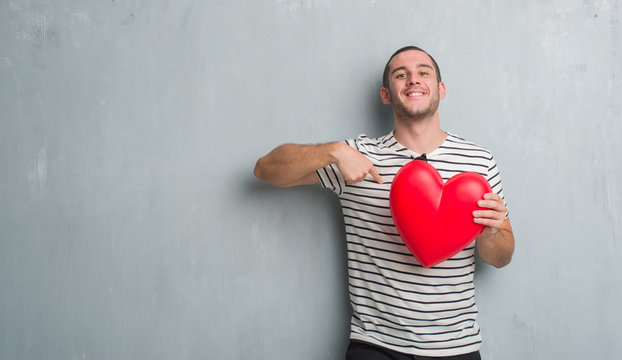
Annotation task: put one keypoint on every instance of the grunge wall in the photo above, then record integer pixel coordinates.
(131, 226)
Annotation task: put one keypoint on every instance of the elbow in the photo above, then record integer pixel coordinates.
(262, 173)
(502, 263)
(499, 262)
(258, 171)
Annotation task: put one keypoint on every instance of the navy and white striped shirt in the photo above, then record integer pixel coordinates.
(396, 303)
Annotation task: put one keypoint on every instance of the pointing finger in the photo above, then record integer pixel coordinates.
(376, 176)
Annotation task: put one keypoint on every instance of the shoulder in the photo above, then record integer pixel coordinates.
(363, 139)
(364, 142)
(458, 144)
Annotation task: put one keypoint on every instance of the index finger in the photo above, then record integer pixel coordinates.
(492, 196)
(375, 175)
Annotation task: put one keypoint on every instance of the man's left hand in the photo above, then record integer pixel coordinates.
(493, 218)
(495, 244)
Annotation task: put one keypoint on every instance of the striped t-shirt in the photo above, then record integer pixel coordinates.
(396, 303)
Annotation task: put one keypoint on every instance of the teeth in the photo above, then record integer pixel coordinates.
(415, 94)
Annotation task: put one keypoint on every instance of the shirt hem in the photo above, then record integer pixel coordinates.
(460, 350)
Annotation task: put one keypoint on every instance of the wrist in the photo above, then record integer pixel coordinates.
(336, 150)
(490, 236)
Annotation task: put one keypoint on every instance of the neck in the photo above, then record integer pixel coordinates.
(422, 136)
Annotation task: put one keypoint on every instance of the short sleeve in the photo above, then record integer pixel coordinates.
(330, 176)
(494, 179)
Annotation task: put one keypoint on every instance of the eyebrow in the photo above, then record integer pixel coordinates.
(418, 65)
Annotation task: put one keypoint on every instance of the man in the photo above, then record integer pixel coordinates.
(400, 309)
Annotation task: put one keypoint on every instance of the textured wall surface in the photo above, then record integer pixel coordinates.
(131, 226)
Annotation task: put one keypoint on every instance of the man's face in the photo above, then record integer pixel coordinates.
(414, 90)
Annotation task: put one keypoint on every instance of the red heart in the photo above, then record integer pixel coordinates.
(435, 220)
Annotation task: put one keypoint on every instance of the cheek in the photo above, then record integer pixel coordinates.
(395, 89)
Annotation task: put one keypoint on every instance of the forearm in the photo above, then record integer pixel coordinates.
(496, 249)
(289, 163)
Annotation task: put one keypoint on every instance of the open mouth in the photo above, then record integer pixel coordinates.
(414, 92)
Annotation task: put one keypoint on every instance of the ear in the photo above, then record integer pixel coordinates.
(441, 90)
(385, 96)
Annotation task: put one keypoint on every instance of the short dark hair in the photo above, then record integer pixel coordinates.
(385, 74)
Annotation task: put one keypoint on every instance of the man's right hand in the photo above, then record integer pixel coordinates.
(354, 166)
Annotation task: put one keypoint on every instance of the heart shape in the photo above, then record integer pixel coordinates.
(435, 220)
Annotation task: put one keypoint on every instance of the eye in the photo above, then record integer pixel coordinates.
(400, 76)
(424, 73)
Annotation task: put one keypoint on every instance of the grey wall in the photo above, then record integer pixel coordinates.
(131, 226)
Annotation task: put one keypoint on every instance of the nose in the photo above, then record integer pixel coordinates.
(413, 79)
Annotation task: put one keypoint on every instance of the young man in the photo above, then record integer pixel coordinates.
(400, 309)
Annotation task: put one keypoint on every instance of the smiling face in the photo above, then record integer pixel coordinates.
(414, 89)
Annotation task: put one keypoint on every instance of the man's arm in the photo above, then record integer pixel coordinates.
(495, 245)
(292, 164)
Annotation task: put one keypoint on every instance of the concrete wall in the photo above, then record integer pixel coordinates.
(131, 226)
